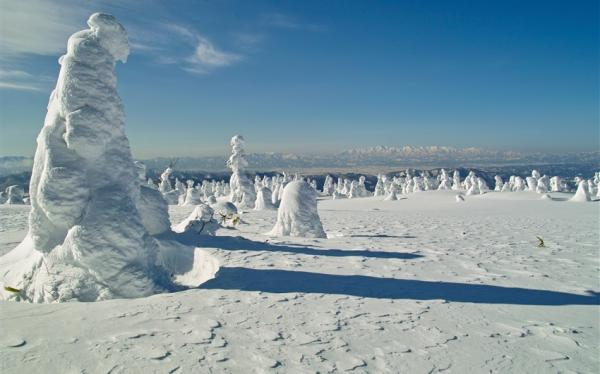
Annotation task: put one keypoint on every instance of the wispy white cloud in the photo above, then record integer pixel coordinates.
(20, 86)
(20, 80)
(42, 27)
(205, 55)
(38, 26)
(283, 21)
(248, 41)
(14, 74)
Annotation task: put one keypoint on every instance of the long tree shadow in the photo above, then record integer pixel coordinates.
(230, 243)
(282, 281)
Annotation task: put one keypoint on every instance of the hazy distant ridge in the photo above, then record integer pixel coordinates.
(379, 156)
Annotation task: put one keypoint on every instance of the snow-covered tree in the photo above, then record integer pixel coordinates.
(379, 187)
(264, 199)
(328, 185)
(14, 195)
(445, 183)
(543, 185)
(393, 193)
(200, 221)
(519, 184)
(456, 181)
(192, 195)
(86, 239)
(499, 183)
(297, 215)
(242, 191)
(582, 194)
(531, 183)
(353, 192)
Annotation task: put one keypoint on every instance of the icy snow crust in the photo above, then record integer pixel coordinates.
(91, 223)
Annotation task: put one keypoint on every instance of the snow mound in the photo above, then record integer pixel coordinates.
(200, 221)
(224, 208)
(297, 215)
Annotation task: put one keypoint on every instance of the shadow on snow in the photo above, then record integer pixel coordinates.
(241, 244)
(283, 281)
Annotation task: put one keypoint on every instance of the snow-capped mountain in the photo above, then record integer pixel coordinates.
(379, 156)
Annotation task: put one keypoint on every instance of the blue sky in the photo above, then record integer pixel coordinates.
(319, 76)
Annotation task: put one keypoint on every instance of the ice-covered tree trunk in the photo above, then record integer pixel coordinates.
(86, 238)
(242, 192)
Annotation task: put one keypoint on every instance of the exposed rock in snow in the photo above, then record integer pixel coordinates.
(87, 240)
(582, 194)
(297, 215)
(242, 190)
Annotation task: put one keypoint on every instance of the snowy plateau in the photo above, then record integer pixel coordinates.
(107, 269)
(417, 285)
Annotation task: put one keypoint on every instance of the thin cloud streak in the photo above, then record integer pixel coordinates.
(283, 21)
(19, 86)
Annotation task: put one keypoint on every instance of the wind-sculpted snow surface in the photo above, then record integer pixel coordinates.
(297, 215)
(421, 285)
(87, 240)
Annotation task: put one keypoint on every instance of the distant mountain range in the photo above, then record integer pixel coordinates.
(380, 156)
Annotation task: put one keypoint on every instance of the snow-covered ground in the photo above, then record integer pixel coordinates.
(423, 284)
